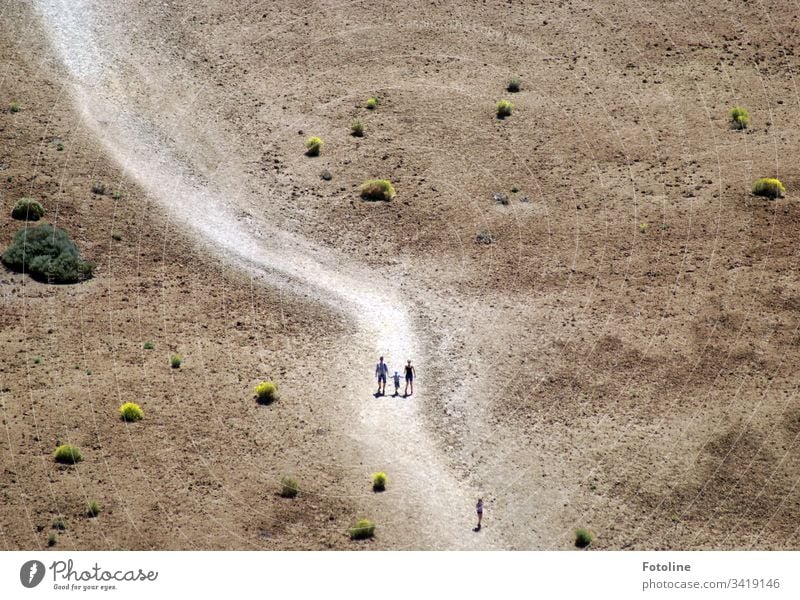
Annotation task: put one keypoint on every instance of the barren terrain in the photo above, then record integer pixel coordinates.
(622, 356)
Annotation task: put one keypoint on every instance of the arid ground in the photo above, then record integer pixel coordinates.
(615, 347)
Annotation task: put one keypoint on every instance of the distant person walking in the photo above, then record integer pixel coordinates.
(396, 378)
(479, 510)
(381, 371)
(411, 375)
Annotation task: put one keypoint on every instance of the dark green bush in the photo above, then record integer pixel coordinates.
(27, 209)
(289, 487)
(48, 254)
(98, 188)
(68, 454)
(514, 84)
(363, 529)
(582, 538)
(92, 509)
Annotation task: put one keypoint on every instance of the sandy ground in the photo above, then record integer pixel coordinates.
(623, 356)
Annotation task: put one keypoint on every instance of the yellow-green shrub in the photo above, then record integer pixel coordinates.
(740, 117)
(372, 103)
(266, 392)
(377, 189)
(769, 187)
(379, 481)
(504, 108)
(313, 146)
(130, 411)
(68, 454)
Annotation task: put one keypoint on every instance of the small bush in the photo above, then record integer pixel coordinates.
(131, 412)
(266, 392)
(59, 524)
(92, 509)
(582, 538)
(60, 146)
(484, 237)
(379, 481)
(739, 117)
(357, 128)
(48, 254)
(116, 237)
(52, 539)
(68, 454)
(768, 187)
(363, 529)
(27, 209)
(175, 361)
(326, 175)
(504, 108)
(372, 103)
(98, 188)
(148, 345)
(313, 146)
(514, 84)
(289, 487)
(377, 189)
(14, 107)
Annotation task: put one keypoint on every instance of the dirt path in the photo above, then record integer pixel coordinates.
(387, 431)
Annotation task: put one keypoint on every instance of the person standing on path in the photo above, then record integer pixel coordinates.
(381, 370)
(479, 510)
(411, 374)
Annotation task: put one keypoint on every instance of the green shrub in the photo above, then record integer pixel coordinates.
(48, 254)
(377, 189)
(92, 509)
(357, 128)
(98, 188)
(68, 454)
(266, 392)
(14, 107)
(504, 108)
(583, 538)
(148, 346)
(739, 117)
(52, 539)
(59, 524)
(175, 361)
(514, 84)
(27, 209)
(372, 103)
(289, 487)
(313, 146)
(363, 529)
(131, 411)
(768, 187)
(379, 481)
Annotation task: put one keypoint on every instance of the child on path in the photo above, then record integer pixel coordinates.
(396, 378)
